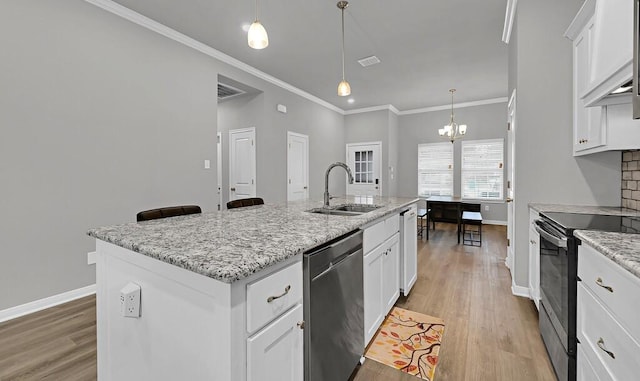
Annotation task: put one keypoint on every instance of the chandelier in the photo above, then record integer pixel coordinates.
(453, 130)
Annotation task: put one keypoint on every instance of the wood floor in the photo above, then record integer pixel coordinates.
(490, 334)
(55, 344)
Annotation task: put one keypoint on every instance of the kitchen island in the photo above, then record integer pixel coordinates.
(205, 281)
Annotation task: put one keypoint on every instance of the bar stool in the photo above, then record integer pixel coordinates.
(422, 219)
(469, 235)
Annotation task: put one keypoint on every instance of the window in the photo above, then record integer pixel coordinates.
(482, 169)
(364, 167)
(435, 169)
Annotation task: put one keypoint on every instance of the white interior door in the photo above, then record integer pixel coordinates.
(219, 167)
(365, 161)
(511, 154)
(242, 163)
(297, 166)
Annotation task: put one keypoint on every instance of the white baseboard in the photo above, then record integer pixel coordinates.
(494, 222)
(520, 291)
(38, 305)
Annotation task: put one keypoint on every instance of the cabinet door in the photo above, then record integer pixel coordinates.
(534, 266)
(390, 274)
(588, 123)
(372, 274)
(277, 352)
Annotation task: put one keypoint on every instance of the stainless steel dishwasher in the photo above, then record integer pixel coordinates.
(333, 309)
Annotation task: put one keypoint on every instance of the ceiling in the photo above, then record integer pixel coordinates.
(426, 46)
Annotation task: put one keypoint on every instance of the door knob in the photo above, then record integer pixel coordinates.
(305, 187)
(509, 199)
(233, 189)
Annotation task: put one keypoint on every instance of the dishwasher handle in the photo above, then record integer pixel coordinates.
(335, 264)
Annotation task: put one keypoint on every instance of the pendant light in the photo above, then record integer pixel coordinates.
(344, 89)
(452, 131)
(257, 36)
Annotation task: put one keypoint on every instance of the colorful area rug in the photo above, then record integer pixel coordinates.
(408, 341)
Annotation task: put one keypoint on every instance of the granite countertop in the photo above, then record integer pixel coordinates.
(584, 209)
(233, 244)
(622, 248)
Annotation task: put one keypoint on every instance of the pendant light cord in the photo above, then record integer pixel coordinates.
(256, 10)
(342, 43)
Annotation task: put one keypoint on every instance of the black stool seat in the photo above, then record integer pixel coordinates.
(471, 237)
(170, 211)
(241, 203)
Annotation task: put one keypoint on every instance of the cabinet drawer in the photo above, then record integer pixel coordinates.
(599, 331)
(375, 234)
(391, 226)
(586, 370)
(283, 288)
(624, 301)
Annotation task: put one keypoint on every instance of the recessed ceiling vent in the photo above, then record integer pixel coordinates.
(368, 61)
(226, 91)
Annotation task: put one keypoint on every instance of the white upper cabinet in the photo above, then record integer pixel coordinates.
(588, 131)
(611, 46)
(602, 61)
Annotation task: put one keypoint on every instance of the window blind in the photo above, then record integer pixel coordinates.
(482, 170)
(435, 169)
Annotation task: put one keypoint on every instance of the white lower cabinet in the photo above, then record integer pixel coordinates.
(381, 284)
(607, 316)
(277, 353)
(372, 273)
(391, 274)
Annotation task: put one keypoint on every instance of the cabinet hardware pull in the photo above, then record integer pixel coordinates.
(233, 189)
(601, 346)
(272, 298)
(301, 324)
(599, 283)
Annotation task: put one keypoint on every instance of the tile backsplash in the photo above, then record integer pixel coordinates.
(631, 179)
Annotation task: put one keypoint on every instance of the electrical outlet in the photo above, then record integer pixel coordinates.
(486, 208)
(130, 300)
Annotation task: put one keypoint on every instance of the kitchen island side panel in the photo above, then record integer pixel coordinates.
(183, 330)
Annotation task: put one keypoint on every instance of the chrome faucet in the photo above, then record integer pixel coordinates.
(326, 180)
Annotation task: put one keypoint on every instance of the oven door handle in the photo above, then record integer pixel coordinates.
(560, 242)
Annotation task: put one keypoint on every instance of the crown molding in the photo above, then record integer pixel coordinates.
(372, 109)
(137, 18)
(509, 18)
(456, 105)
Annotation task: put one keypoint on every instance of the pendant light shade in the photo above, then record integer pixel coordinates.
(344, 89)
(257, 36)
(452, 131)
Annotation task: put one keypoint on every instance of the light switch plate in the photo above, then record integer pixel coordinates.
(207, 164)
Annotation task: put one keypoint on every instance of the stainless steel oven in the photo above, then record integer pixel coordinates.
(557, 315)
(636, 67)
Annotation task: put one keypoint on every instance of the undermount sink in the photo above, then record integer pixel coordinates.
(346, 209)
(358, 208)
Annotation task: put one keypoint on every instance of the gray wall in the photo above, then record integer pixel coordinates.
(324, 128)
(484, 122)
(546, 171)
(374, 126)
(102, 118)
